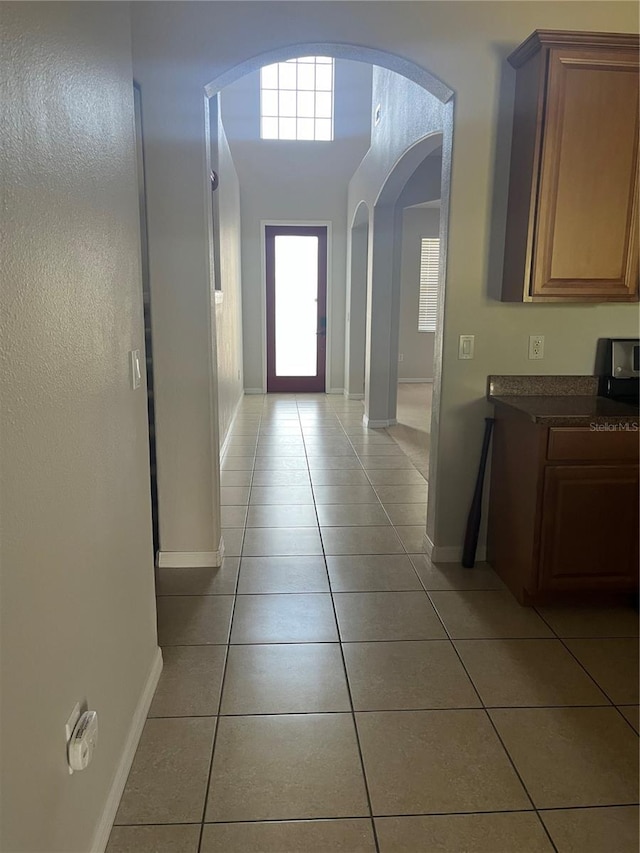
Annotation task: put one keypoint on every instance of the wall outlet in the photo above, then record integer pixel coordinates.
(400, 356)
(536, 346)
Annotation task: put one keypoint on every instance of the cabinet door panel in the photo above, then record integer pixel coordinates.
(586, 240)
(590, 527)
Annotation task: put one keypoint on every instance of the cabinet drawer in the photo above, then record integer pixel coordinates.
(585, 444)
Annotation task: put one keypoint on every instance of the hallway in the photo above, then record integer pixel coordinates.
(338, 676)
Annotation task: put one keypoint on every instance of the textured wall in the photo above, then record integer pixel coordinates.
(296, 181)
(78, 615)
(181, 47)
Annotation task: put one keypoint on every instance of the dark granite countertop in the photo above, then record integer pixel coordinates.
(559, 401)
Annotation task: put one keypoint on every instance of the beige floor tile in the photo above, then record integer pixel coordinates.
(407, 675)
(281, 495)
(168, 778)
(378, 449)
(527, 673)
(278, 451)
(508, 832)
(487, 615)
(311, 763)
(334, 463)
(604, 830)
(404, 477)
(307, 836)
(283, 574)
(233, 538)
(592, 621)
(339, 478)
(290, 618)
(345, 495)
(360, 540)
(412, 537)
(370, 616)
(407, 514)
(281, 478)
(632, 714)
(571, 756)
(395, 462)
(235, 478)
(354, 515)
(401, 494)
(154, 839)
(285, 679)
(282, 515)
(613, 664)
(237, 463)
(200, 581)
(185, 620)
(421, 762)
(449, 576)
(234, 495)
(233, 516)
(190, 682)
(281, 541)
(372, 573)
(281, 463)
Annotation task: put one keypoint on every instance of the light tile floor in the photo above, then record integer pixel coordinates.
(330, 689)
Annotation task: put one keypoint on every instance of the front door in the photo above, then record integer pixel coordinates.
(296, 266)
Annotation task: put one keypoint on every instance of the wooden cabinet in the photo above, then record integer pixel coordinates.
(563, 511)
(572, 218)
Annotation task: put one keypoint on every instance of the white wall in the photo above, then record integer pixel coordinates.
(78, 613)
(296, 181)
(179, 48)
(416, 347)
(228, 299)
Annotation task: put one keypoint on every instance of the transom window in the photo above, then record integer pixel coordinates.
(429, 265)
(296, 99)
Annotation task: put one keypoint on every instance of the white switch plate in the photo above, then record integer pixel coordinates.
(136, 370)
(536, 346)
(400, 356)
(466, 346)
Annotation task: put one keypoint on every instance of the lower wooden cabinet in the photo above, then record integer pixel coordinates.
(563, 510)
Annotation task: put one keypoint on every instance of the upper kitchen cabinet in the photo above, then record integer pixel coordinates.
(572, 220)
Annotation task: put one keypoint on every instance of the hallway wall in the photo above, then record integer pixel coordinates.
(416, 347)
(179, 48)
(77, 604)
(296, 181)
(228, 298)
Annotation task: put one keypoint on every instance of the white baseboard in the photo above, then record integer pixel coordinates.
(334, 391)
(191, 559)
(353, 396)
(372, 424)
(253, 391)
(225, 443)
(103, 830)
(422, 381)
(449, 553)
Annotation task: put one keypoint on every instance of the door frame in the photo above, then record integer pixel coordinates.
(302, 223)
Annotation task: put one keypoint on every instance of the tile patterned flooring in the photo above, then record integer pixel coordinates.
(329, 690)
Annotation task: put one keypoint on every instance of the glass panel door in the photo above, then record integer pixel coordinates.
(296, 298)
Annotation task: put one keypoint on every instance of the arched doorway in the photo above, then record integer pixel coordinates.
(357, 291)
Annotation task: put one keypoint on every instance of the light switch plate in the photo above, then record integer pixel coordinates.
(466, 346)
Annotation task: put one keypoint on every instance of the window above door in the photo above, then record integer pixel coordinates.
(296, 99)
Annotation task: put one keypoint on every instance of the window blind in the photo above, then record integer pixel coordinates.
(429, 265)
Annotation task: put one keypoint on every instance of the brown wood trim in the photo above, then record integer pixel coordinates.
(564, 38)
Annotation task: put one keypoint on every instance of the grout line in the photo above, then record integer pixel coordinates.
(348, 684)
